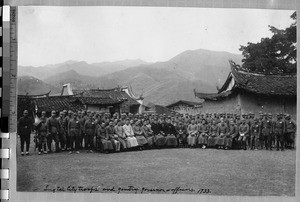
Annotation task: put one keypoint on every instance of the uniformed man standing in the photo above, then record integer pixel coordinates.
(25, 126)
(266, 127)
(74, 130)
(89, 129)
(272, 140)
(66, 123)
(290, 131)
(62, 132)
(244, 133)
(254, 134)
(53, 129)
(279, 130)
(42, 131)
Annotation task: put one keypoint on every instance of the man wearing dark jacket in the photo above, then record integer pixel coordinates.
(25, 125)
(53, 127)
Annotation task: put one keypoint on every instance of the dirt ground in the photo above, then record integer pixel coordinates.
(220, 172)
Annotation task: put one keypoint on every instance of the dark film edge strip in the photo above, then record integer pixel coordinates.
(3, 119)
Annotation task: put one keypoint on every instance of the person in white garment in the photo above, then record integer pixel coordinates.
(131, 140)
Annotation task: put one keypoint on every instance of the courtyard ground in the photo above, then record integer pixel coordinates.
(231, 172)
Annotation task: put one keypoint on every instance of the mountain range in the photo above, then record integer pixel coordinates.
(161, 82)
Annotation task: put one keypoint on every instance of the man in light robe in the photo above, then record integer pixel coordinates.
(131, 140)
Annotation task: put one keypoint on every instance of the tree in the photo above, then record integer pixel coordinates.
(275, 55)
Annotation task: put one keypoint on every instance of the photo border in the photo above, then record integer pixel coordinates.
(240, 4)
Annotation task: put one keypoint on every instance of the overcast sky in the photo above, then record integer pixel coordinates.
(49, 35)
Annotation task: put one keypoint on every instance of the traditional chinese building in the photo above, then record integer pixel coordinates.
(108, 100)
(100, 100)
(245, 92)
(184, 107)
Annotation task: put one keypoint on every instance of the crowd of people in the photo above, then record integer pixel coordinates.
(101, 132)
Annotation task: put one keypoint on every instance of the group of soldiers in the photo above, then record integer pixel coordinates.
(94, 131)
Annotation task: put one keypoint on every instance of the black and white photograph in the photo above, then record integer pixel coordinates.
(156, 100)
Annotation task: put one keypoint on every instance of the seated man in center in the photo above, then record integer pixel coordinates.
(159, 138)
(170, 132)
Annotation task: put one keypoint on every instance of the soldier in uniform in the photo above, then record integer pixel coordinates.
(74, 130)
(273, 140)
(279, 130)
(82, 136)
(254, 134)
(290, 131)
(42, 130)
(25, 126)
(222, 131)
(244, 134)
(43, 116)
(53, 128)
(266, 128)
(66, 124)
(232, 135)
(89, 129)
(62, 132)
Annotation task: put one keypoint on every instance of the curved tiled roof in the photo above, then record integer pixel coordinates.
(184, 102)
(57, 103)
(262, 84)
(114, 94)
(265, 84)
